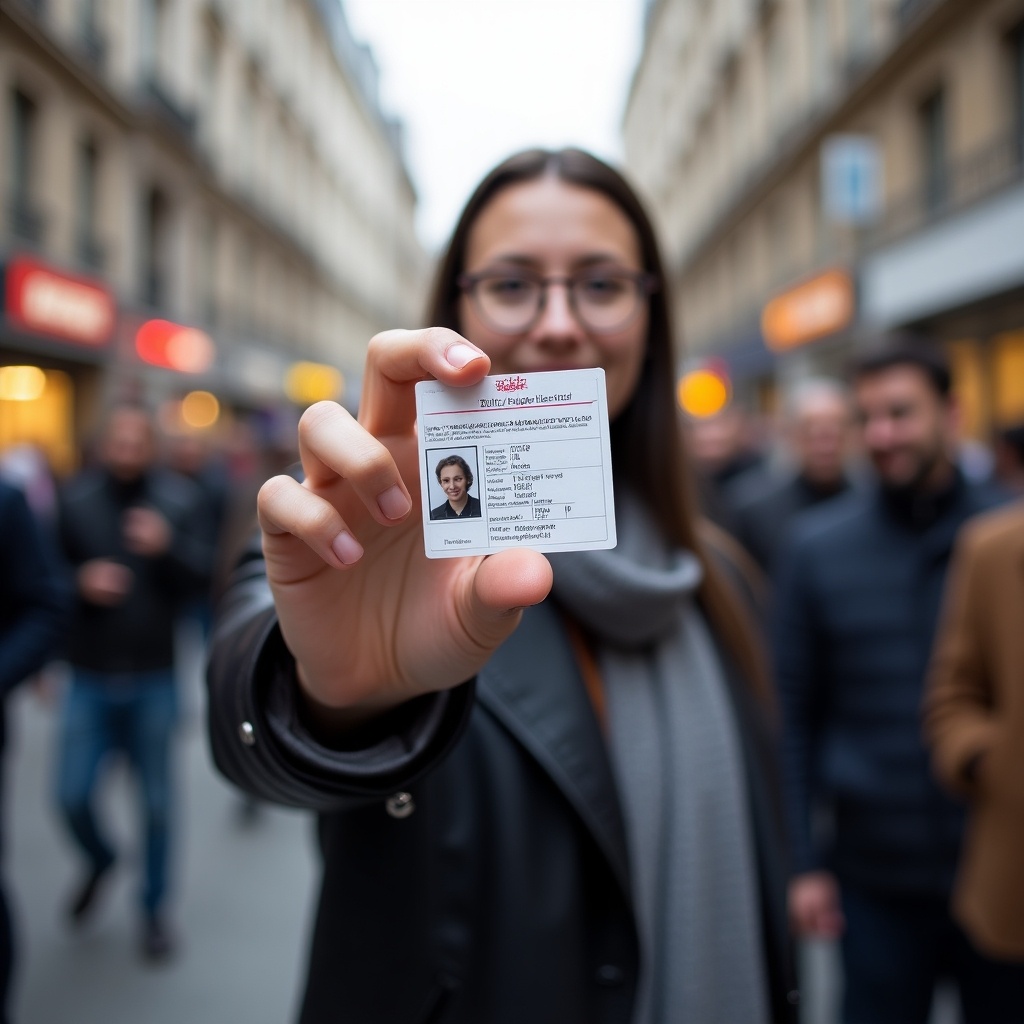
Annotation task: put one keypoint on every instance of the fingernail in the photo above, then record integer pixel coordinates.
(459, 355)
(347, 548)
(393, 502)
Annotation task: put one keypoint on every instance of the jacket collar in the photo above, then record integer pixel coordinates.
(533, 686)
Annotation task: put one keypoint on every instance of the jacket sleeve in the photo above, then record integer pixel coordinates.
(260, 738)
(36, 599)
(959, 717)
(796, 644)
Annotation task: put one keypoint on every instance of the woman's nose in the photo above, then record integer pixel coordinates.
(557, 319)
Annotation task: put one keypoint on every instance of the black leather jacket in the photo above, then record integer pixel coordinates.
(475, 866)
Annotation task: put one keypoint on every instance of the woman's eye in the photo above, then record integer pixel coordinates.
(509, 289)
(602, 289)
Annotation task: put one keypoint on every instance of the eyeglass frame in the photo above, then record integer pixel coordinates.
(646, 282)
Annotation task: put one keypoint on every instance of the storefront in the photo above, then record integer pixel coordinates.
(810, 327)
(57, 335)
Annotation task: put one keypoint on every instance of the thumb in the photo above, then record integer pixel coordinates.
(502, 586)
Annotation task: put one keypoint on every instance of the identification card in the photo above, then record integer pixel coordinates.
(517, 460)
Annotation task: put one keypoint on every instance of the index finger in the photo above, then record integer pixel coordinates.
(395, 360)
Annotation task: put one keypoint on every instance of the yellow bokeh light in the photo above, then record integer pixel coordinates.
(21, 383)
(702, 393)
(199, 410)
(306, 383)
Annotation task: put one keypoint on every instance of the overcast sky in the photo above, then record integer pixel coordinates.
(474, 80)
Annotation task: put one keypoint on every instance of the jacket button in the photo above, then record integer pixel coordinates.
(247, 733)
(793, 997)
(400, 805)
(610, 976)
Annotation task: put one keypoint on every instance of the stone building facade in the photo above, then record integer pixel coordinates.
(826, 171)
(223, 166)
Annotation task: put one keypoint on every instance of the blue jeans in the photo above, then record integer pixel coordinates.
(132, 713)
(895, 950)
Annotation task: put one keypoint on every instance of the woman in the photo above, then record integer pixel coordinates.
(456, 478)
(533, 808)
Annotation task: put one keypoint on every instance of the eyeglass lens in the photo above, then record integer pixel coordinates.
(601, 302)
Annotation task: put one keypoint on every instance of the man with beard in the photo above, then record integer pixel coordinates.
(875, 841)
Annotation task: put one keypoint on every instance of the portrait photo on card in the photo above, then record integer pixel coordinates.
(453, 483)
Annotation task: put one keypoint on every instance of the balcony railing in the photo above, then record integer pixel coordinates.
(93, 45)
(91, 254)
(168, 109)
(153, 289)
(26, 220)
(37, 7)
(908, 10)
(954, 186)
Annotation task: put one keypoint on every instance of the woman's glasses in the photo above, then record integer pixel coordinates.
(602, 300)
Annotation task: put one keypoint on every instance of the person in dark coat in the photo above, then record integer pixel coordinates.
(34, 606)
(764, 505)
(546, 786)
(137, 540)
(876, 841)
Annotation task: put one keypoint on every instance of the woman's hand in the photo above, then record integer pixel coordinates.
(371, 621)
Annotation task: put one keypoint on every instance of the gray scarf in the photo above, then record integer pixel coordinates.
(675, 752)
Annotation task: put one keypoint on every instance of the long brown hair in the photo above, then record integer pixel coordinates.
(647, 442)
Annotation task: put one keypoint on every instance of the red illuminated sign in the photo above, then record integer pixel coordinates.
(174, 347)
(46, 301)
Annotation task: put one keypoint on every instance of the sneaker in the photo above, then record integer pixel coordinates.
(84, 900)
(158, 943)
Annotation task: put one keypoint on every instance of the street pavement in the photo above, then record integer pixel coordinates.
(243, 893)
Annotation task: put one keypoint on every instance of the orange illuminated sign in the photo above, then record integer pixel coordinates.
(174, 347)
(819, 306)
(46, 301)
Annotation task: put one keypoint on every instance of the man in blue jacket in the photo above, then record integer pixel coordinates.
(34, 603)
(875, 841)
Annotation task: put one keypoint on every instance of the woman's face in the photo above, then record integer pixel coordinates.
(453, 483)
(554, 229)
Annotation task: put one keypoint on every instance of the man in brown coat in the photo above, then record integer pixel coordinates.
(974, 722)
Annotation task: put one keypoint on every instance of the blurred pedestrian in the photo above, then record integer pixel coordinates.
(34, 606)
(134, 536)
(1009, 458)
(564, 813)
(875, 839)
(975, 725)
(819, 433)
(723, 450)
(26, 467)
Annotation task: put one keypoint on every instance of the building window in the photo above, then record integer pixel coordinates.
(934, 152)
(86, 202)
(153, 16)
(24, 217)
(1017, 63)
(858, 28)
(820, 42)
(209, 78)
(207, 280)
(777, 84)
(92, 41)
(155, 248)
